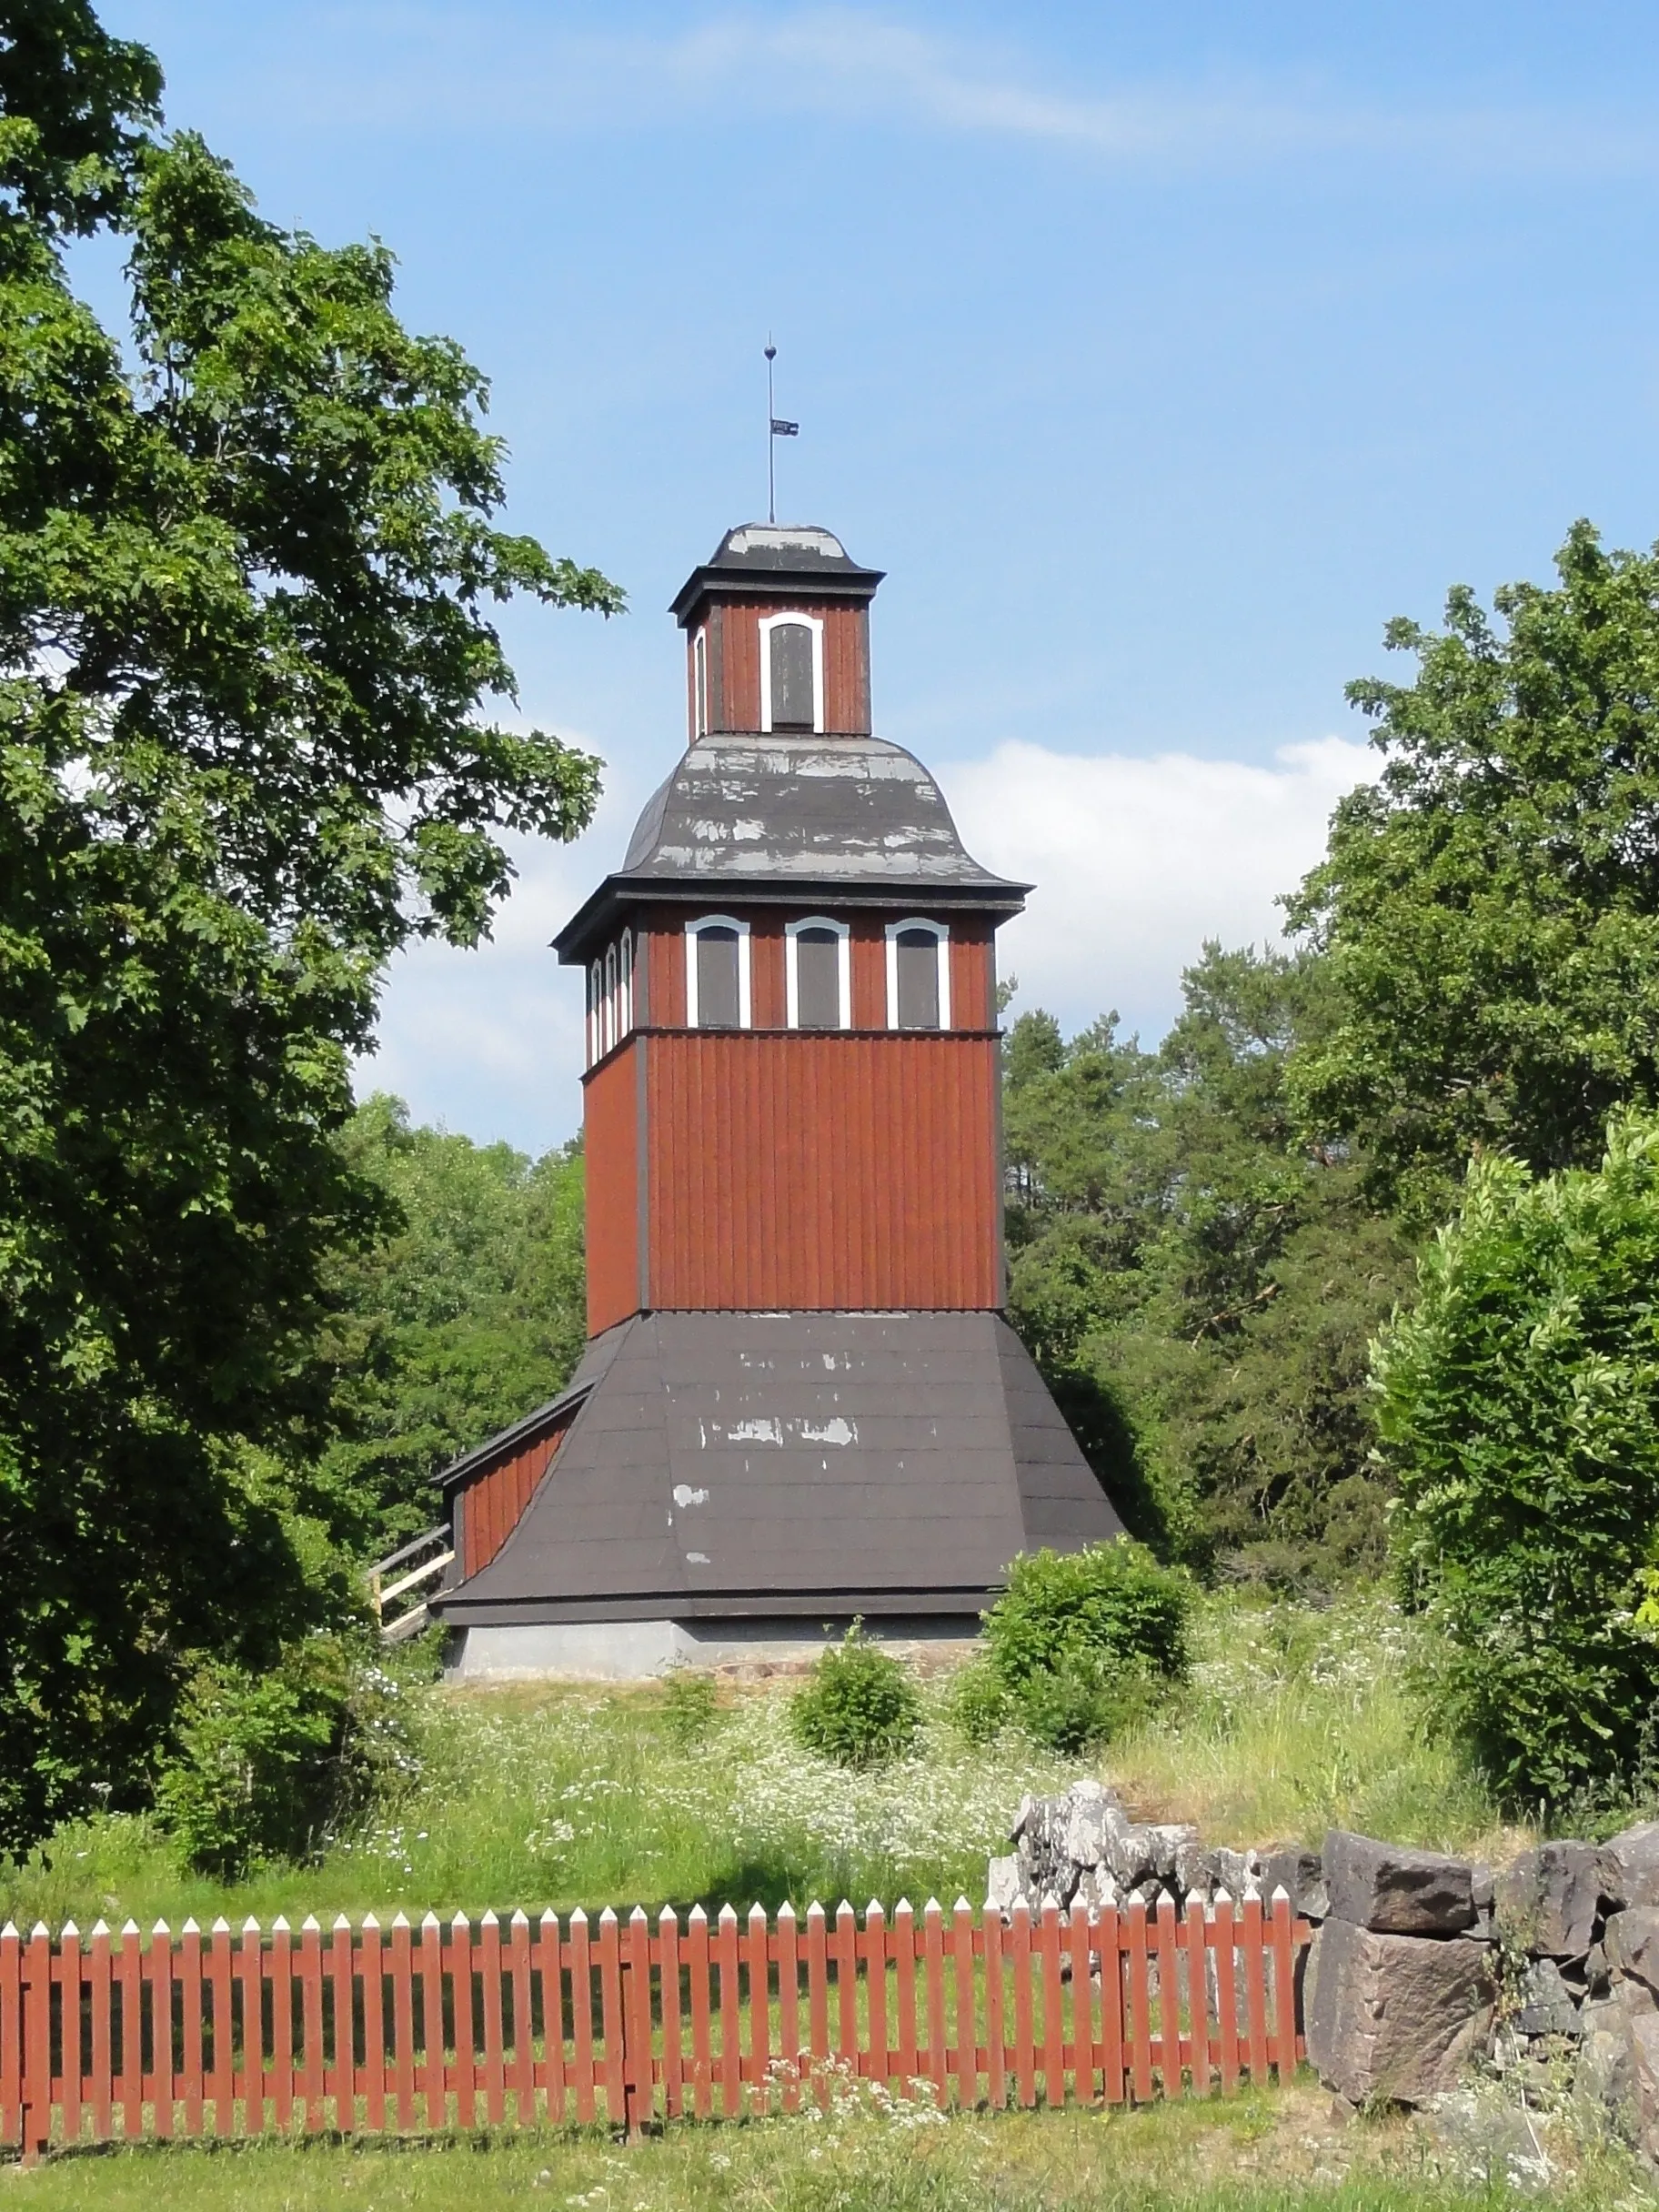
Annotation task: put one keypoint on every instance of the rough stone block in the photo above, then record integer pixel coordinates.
(1547, 2006)
(1633, 1945)
(1635, 1852)
(1551, 1899)
(1393, 1891)
(1301, 1874)
(1394, 2015)
(1003, 1884)
(1090, 1816)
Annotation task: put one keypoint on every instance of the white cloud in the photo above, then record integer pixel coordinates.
(1137, 862)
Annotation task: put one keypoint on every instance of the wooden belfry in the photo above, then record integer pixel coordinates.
(801, 1401)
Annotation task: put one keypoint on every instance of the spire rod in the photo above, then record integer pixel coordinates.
(775, 429)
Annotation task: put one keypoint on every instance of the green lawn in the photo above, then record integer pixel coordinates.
(1277, 2152)
(557, 1795)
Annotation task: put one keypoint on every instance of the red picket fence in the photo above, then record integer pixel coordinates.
(412, 2030)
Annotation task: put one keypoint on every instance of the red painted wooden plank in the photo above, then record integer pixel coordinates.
(372, 1973)
(188, 1968)
(846, 1988)
(1198, 1993)
(610, 2015)
(994, 1936)
(788, 2005)
(581, 2016)
(637, 2021)
(11, 2034)
(342, 2077)
(37, 2042)
(465, 2071)
(702, 2049)
(760, 2007)
(876, 1946)
(432, 2071)
(248, 2081)
(128, 1973)
(222, 2077)
(70, 1976)
(521, 2067)
(279, 1970)
(490, 2006)
(1020, 1960)
(550, 1970)
(1139, 2001)
(1284, 1986)
(818, 1998)
(673, 2026)
(967, 2027)
(1255, 1988)
(312, 2077)
(1169, 1998)
(158, 1973)
(103, 2046)
(403, 2022)
(1085, 2044)
(1226, 1993)
(933, 1938)
(1108, 1943)
(725, 1953)
(1054, 2024)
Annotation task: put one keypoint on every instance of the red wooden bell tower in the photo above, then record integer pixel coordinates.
(794, 1189)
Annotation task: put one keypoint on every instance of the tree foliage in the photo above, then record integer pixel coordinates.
(1489, 912)
(1198, 1289)
(248, 564)
(1518, 1408)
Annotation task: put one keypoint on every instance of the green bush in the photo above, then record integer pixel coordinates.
(263, 1766)
(978, 1703)
(1518, 1409)
(859, 1707)
(689, 1708)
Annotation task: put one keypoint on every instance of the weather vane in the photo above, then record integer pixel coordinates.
(777, 429)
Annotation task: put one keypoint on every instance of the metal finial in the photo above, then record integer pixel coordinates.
(775, 429)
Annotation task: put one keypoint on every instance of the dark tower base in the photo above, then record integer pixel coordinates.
(724, 1483)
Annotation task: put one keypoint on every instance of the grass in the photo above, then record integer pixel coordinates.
(1294, 1720)
(1274, 2152)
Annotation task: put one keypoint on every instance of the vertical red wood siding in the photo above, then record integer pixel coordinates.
(1066, 2006)
(492, 1497)
(836, 1172)
(611, 1164)
(734, 663)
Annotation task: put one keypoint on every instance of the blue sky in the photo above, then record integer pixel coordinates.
(1157, 354)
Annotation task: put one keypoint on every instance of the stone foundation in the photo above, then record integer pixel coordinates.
(637, 1651)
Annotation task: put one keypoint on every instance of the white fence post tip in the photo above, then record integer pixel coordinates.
(160, 1928)
(521, 1919)
(341, 1922)
(191, 1927)
(370, 1922)
(280, 1926)
(221, 1927)
(9, 1933)
(430, 1920)
(933, 1905)
(815, 1910)
(100, 1926)
(310, 1926)
(729, 1916)
(697, 1918)
(1282, 1892)
(67, 1930)
(547, 1914)
(903, 1906)
(1224, 1895)
(1051, 1903)
(400, 1920)
(962, 1905)
(128, 1927)
(1195, 1897)
(786, 1911)
(460, 1921)
(578, 1919)
(489, 1919)
(639, 1917)
(250, 1927)
(609, 1914)
(755, 1911)
(40, 1928)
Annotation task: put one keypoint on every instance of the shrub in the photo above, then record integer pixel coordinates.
(859, 1707)
(1518, 1409)
(1110, 1604)
(1085, 1701)
(978, 1701)
(689, 1707)
(264, 1764)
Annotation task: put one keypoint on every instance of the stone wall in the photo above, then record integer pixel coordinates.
(1421, 1963)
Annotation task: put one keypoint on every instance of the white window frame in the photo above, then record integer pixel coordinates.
(694, 929)
(625, 984)
(699, 683)
(595, 996)
(609, 1030)
(941, 933)
(792, 968)
(768, 623)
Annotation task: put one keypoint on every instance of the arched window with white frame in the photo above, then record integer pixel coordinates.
(596, 999)
(611, 997)
(699, 683)
(918, 975)
(791, 672)
(717, 973)
(624, 985)
(818, 974)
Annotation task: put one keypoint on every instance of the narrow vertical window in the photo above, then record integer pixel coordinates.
(626, 1001)
(918, 976)
(596, 999)
(717, 973)
(818, 974)
(791, 672)
(700, 684)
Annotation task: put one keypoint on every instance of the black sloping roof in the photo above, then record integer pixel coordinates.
(753, 1464)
